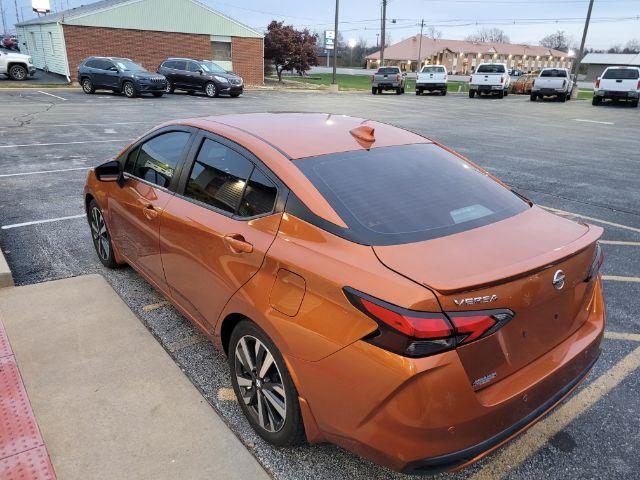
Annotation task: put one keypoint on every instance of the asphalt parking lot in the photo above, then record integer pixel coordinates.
(579, 159)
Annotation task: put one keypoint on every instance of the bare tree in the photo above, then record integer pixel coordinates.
(632, 46)
(432, 32)
(484, 35)
(558, 41)
(615, 49)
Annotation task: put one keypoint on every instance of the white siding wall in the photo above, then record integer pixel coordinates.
(45, 44)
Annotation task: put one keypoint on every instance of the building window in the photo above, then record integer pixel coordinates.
(51, 43)
(221, 51)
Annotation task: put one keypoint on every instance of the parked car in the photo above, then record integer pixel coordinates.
(491, 78)
(618, 83)
(522, 85)
(432, 78)
(370, 287)
(388, 78)
(120, 75)
(553, 82)
(16, 66)
(200, 76)
(515, 72)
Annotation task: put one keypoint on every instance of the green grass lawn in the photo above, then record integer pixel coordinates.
(363, 82)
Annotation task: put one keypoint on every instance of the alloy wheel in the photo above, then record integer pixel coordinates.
(260, 383)
(18, 73)
(168, 88)
(100, 234)
(87, 86)
(128, 89)
(211, 90)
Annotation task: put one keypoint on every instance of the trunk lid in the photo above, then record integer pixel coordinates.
(618, 85)
(510, 264)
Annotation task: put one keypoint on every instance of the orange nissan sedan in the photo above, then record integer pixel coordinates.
(370, 287)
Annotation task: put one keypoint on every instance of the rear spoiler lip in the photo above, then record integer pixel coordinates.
(528, 267)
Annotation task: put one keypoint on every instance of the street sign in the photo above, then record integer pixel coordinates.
(41, 6)
(329, 39)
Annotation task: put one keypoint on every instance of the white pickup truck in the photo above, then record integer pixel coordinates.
(432, 78)
(552, 82)
(618, 83)
(16, 66)
(490, 78)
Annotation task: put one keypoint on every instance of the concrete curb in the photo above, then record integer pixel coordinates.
(6, 279)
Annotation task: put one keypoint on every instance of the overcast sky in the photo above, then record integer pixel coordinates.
(455, 18)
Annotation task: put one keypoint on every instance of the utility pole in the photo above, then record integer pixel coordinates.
(578, 59)
(382, 39)
(4, 21)
(419, 64)
(335, 48)
(15, 4)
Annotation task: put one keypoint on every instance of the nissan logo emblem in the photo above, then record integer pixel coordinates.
(558, 280)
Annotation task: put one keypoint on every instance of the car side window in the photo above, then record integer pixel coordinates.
(259, 196)
(193, 67)
(180, 65)
(169, 64)
(91, 63)
(156, 160)
(218, 176)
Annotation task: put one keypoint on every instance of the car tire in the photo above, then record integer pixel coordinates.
(18, 73)
(129, 90)
(273, 411)
(170, 88)
(506, 93)
(634, 104)
(533, 97)
(374, 91)
(443, 93)
(562, 97)
(501, 94)
(100, 236)
(158, 94)
(234, 95)
(87, 86)
(472, 93)
(398, 91)
(211, 90)
(596, 101)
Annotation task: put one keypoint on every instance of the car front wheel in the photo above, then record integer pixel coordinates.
(129, 90)
(169, 87)
(211, 90)
(18, 72)
(100, 236)
(264, 387)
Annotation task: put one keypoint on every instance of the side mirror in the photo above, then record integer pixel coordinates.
(404, 74)
(109, 172)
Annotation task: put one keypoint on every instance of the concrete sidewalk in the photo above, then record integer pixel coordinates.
(109, 401)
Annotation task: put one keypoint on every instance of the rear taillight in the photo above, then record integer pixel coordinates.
(471, 79)
(419, 334)
(533, 83)
(638, 87)
(373, 77)
(398, 77)
(502, 79)
(564, 83)
(597, 83)
(598, 260)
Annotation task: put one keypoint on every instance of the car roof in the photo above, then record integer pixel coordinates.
(299, 135)
(108, 58)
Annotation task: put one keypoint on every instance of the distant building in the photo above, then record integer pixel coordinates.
(461, 57)
(597, 62)
(147, 32)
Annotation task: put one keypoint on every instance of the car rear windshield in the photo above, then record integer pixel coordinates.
(388, 71)
(433, 70)
(621, 74)
(554, 73)
(490, 69)
(408, 193)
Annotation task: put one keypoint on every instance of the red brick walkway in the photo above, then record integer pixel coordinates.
(23, 455)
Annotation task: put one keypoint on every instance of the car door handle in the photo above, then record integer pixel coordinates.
(149, 211)
(237, 243)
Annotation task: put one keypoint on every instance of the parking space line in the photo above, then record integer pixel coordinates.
(619, 242)
(52, 95)
(43, 171)
(538, 435)
(616, 278)
(604, 222)
(635, 337)
(37, 222)
(592, 121)
(61, 143)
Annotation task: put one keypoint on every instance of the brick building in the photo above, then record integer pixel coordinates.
(147, 32)
(462, 57)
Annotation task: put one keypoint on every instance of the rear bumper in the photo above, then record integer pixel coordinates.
(487, 88)
(431, 86)
(386, 86)
(613, 94)
(422, 415)
(548, 91)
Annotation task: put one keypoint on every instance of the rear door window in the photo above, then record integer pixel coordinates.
(621, 74)
(408, 193)
(491, 69)
(180, 65)
(433, 70)
(259, 197)
(388, 71)
(156, 159)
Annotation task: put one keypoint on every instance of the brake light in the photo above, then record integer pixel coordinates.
(598, 260)
(471, 79)
(398, 77)
(373, 77)
(533, 83)
(598, 83)
(502, 79)
(419, 334)
(564, 83)
(638, 87)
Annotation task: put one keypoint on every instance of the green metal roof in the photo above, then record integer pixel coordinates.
(183, 16)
